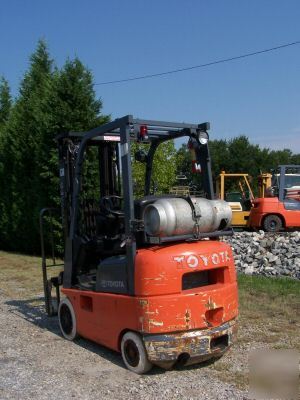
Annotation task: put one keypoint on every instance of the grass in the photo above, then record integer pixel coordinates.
(269, 311)
(271, 286)
(261, 297)
(21, 276)
(269, 317)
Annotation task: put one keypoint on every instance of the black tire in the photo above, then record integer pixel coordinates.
(272, 223)
(67, 320)
(134, 353)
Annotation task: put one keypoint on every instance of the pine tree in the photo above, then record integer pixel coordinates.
(74, 107)
(5, 109)
(28, 119)
(5, 101)
(50, 101)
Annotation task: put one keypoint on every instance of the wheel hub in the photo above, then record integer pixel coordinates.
(131, 353)
(66, 319)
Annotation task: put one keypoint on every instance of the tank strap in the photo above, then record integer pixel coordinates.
(196, 214)
(195, 208)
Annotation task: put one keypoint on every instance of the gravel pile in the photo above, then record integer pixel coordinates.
(267, 254)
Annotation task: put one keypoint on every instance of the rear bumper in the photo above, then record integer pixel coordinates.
(190, 347)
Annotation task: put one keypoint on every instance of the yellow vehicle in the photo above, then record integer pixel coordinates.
(264, 182)
(238, 194)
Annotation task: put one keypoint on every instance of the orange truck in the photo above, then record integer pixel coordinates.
(148, 277)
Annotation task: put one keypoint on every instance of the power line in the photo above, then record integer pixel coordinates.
(223, 60)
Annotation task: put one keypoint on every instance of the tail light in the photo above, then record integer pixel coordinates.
(143, 134)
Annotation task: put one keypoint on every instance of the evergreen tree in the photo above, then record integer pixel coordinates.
(5, 101)
(50, 101)
(5, 108)
(28, 119)
(74, 107)
(74, 104)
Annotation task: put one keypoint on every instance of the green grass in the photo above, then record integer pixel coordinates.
(271, 286)
(269, 316)
(262, 297)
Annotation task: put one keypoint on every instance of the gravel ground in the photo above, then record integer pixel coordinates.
(36, 363)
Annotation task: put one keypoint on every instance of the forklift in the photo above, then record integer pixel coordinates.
(280, 208)
(239, 197)
(148, 277)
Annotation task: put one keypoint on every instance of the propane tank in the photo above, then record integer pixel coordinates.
(176, 216)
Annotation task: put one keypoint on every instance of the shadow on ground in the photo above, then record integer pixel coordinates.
(33, 311)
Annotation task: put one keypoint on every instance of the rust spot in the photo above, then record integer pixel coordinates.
(152, 312)
(211, 305)
(187, 317)
(143, 303)
(155, 323)
(176, 327)
(141, 319)
(196, 343)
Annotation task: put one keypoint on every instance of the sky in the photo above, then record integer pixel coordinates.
(258, 96)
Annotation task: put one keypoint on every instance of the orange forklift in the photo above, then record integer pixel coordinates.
(280, 208)
(148, 277)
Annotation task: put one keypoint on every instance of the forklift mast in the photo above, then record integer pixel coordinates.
(284, 171)
(111, 139)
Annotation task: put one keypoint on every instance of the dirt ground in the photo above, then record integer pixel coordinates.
(37, 363)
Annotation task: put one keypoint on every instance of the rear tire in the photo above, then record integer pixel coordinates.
(134, 353)
(67, 320)
(272, 223)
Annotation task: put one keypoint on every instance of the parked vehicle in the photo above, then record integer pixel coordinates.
(147, 277)
(278, 205)
(280, 208)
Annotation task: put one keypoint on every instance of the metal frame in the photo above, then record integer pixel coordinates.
(125, 130)
(49, 283)
(220, 188)
(282, 172)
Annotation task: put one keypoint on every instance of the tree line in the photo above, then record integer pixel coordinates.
(53, 100)
(238, 155)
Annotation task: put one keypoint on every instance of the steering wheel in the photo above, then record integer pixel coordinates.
(108, 203)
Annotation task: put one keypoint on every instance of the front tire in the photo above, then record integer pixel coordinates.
(67, 319)
(272, 223)
(134, 353)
